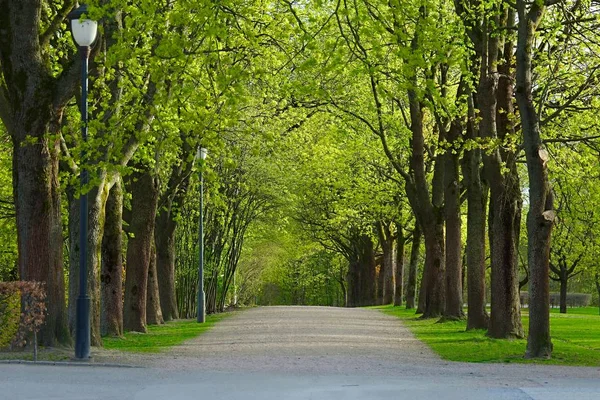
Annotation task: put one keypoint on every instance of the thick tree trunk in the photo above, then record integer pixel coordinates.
(477, 317)
(386, 279)
(429, 211)
(505, 195)
(165, 263)
(454, 296)
(505, 318)
(32, 99)
(388, 276)
(564, 280)
(413, 267)
(379, 280)
(361, 274)
(144, 200)
(540, 217)
(111, 278)
(434, 271)
(153, 311)
(39, 224)
(97, 197)
(399, 267)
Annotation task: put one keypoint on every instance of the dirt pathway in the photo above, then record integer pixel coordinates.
(303, 339)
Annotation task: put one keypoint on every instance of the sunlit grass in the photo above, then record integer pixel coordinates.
(576, 338)
(162, 337)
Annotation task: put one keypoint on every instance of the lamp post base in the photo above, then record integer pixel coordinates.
(201, 308)
(82, 329)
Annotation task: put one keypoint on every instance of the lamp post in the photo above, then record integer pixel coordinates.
(84, 34)
(202, 153)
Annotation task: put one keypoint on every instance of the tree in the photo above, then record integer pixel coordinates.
(33, 98)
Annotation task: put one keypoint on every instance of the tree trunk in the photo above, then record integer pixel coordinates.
(434, 271)
(540, 217)
(144, 200)
(379, 280)
(386, 239)
(429, 211)
(97, 197)
(505, 195)
(361, 274)
(477, 317)
(153, 311)
(564, 280)
(413, 267)
(111, 278)
(32, 99)
(399, 267)
(454, 297)
(39, 223)
(164, 237)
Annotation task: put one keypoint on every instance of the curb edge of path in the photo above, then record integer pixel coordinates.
(69, 363)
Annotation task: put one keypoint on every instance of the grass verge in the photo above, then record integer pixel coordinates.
(576, 338)
(162, 337)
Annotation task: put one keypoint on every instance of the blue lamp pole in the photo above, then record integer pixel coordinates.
(84, 33)
(202, 153)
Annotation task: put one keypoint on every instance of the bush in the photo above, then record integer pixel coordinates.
(30, 312)
(573, 299)
(10, 313)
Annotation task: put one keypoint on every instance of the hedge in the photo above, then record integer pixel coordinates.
(573, 299)
(22, 312)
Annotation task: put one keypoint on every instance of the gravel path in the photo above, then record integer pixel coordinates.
(299, 353)
(339, 341)
(303, 339)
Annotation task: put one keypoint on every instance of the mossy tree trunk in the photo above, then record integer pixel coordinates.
(144, 201)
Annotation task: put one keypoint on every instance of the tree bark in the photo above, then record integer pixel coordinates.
(540, 217)
(454, 298)
(386, 239)
(429, 211)
(399, 267)
(477, 316)
(32, 100)
(97, 197)
(413, 267)
(505, 195)
(153, 311)
(165, 263)
(111, 278)
(144, 201)
(361, 274)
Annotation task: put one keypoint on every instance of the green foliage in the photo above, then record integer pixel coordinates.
(576, 338)
(10, 311)
(162, 337)
(8, 230)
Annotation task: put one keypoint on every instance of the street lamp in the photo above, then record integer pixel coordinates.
(84, 34)
(202, 153)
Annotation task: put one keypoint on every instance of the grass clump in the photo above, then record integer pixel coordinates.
(576, 338)
(162, 337)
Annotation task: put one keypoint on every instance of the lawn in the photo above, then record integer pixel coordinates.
(575, 335)
(162, 337)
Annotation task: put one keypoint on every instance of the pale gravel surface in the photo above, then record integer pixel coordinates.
(336, 341)
(298, 353)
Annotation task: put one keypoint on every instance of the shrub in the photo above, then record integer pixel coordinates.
(31, 313)
(10, 312)
(573, 299)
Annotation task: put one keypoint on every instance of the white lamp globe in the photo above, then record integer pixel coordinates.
(84, 30)
(203, 153)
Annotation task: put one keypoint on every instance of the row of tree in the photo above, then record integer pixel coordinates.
(364, 124)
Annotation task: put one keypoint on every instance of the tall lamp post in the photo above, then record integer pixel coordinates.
(202, 153)
(84, 34)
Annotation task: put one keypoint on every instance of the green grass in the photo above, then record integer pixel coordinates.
(575, 335)
(162, 337)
